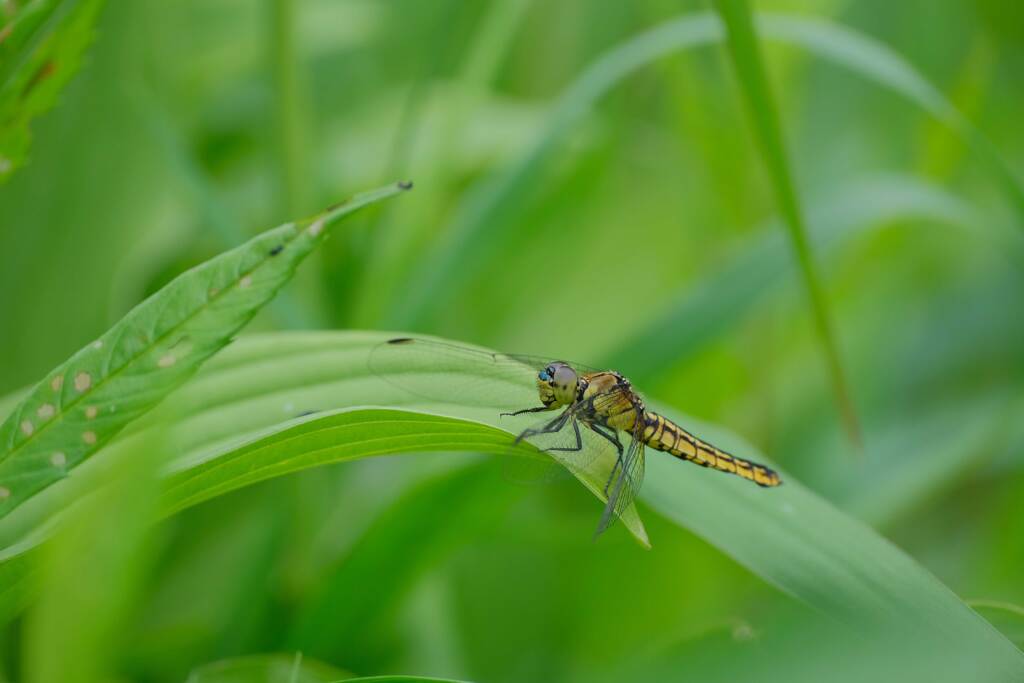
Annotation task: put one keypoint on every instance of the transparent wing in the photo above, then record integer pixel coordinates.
(452, 373)
(570, 451)
(625, 480)
(445, 374)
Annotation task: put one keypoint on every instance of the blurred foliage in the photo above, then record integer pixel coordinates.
(41, 45)
(588, 186)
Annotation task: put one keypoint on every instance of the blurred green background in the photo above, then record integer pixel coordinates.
(641, 232)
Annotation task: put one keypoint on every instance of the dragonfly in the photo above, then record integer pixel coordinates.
(579, 398)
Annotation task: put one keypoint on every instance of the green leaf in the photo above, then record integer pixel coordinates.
(746, 57)
(270, 668)
(788, 536)
(351, 434)
(41, 47)
(87, 400)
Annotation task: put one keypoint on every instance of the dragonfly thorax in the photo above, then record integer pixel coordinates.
(557, 384)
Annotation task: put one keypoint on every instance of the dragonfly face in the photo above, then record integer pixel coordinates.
(557, 385)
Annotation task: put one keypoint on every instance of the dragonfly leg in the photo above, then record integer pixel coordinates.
(571, 449)
(538, 409)
(612, 436)
(551, 427)
(611, 477)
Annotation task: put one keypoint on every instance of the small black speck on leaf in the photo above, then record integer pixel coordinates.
(400, 340)
(405, 184)
(277, 250)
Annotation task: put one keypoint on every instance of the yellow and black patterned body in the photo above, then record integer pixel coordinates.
(663, 434)
(608, 399)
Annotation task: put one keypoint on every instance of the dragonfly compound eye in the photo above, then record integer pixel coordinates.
(565, 382)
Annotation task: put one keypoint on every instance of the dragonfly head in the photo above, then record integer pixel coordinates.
(557, 384)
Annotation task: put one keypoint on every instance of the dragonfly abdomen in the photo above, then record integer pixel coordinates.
(661, 433)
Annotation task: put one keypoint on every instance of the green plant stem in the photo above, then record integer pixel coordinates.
(289, 99)
(741, 42)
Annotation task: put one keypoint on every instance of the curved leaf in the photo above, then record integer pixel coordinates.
(348, 435)
(788, 536)
(88, 399)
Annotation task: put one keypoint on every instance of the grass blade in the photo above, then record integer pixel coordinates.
(87, 400)
(746, 57)
(41, 47)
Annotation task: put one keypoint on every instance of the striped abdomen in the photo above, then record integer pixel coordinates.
(662, 434)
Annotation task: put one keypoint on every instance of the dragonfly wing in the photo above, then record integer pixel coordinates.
(559, 457)
(440, 373)
(444, 372)
(625, 481)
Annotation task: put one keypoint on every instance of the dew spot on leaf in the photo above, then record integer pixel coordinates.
(46, 411)
(58, 459)
(27, 427)
(91, 412)
(245, 281)
(57, 382)
(89, 437)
